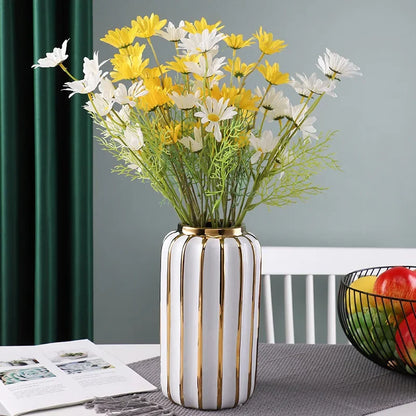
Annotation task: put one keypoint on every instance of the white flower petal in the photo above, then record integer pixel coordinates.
(99, 105)
(54, 58)
(171, 33)
(197, 43)
(332, 64)
(213, 112)
(305, 86)
(133, 137)
(186, 101)
(193, 144)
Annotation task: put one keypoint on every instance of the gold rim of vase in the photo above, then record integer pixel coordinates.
(212, 232)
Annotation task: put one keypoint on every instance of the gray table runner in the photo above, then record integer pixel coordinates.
(292, 380)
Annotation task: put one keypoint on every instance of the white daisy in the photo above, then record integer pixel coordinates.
(92, 77)
(305, 86)
(133, 137)
(264, 144)
(298, 116)
(171, 33)
(107, 89)
(124, 96)
(213, 112)
(332, 63)
(99, 105)
(83, 86)
(274, 101)
(206, 68)
(53, 58)
(307, 128)
(124, 113)
(186, 101)
(114, 125)
(193, 144)
(197, 43)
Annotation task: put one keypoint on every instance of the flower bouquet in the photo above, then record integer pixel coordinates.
(215, 149)
(190, 126)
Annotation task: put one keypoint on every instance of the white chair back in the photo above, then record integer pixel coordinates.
(310, 261)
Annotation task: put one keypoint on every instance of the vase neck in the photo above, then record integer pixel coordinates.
(212, 232)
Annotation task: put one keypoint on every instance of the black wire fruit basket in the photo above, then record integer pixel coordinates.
(382, 328)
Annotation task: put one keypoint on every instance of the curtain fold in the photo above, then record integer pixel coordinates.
(46, 177)
(82, 173)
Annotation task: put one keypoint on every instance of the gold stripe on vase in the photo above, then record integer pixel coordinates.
(200, 315)
(238, 343)
(253, 302)
(168, 314)
(182, 278)
(258, 316)
(221, 327)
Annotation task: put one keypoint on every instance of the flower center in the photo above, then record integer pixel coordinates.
(213, 117)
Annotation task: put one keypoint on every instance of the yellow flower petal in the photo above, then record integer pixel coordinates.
(242, 139)
(147, 26)
(133, 50)
(239, 69)
(179, 63)
(266, 43)
(120, 38)
(237, 42)
(198, 26)
(242, 99)
(272, 74)
(154, 72)
(128, 64)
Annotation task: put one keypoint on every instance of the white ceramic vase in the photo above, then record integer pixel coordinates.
(209, 316)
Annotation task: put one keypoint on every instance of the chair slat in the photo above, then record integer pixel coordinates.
(289, 327)
(310, 311)
(323, 261)
(331, 330)
(268, 309)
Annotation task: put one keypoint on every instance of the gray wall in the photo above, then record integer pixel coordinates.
(370, 203)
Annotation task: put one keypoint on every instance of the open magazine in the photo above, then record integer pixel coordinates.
(61, 374)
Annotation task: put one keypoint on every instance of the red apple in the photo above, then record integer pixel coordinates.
(397, 282)
(406, 340)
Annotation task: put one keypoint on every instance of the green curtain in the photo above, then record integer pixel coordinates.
(45, 176)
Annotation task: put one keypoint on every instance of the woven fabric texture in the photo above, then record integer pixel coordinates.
(301, 380)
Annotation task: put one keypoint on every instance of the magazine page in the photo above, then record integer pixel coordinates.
(60, 374)
(28, 381)
(93, 370)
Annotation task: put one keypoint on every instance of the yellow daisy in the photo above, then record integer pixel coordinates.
(165, 83)
(126, 67)
(241, 99)
(147, 26)
(128, 64)
(133, 50)
(173, 133)
(154, 72)
(158, 93)
(266, 43)
(245, 100)
(198, 26)
(155, 98)
(179, 64)
(120, 38)
(237, 42)
(272, 74)
(239, 69)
